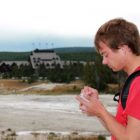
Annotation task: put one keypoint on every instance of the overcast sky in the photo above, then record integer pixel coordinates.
(58, 23)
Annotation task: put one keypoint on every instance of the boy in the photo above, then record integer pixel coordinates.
(118, 42)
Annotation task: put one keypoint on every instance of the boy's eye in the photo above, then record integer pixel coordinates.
(104, 54)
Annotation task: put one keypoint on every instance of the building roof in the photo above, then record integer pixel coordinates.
(44, 50)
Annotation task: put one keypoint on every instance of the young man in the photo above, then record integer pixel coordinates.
(118, 42)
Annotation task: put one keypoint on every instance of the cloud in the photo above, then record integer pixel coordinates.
(24, 19)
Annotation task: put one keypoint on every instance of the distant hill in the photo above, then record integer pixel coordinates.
(74, 49)
(14, 56)
(67, 53)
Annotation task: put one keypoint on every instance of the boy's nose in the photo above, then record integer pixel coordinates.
(104, 61)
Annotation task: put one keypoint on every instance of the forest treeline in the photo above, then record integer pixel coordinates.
(95, 75)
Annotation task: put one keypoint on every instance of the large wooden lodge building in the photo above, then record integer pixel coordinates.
(48, 57)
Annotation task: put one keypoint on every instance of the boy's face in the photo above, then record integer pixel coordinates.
(114, 59)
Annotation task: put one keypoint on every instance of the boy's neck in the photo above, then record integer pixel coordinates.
(132, 64)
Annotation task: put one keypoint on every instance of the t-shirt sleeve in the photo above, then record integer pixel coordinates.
(133, 100)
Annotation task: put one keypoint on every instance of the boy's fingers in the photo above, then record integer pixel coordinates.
(82, 101)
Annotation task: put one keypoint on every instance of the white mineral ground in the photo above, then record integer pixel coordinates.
(40, 113)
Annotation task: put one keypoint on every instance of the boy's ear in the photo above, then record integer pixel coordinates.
(124, 48)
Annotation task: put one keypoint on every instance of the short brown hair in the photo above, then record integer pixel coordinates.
(118, 32)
